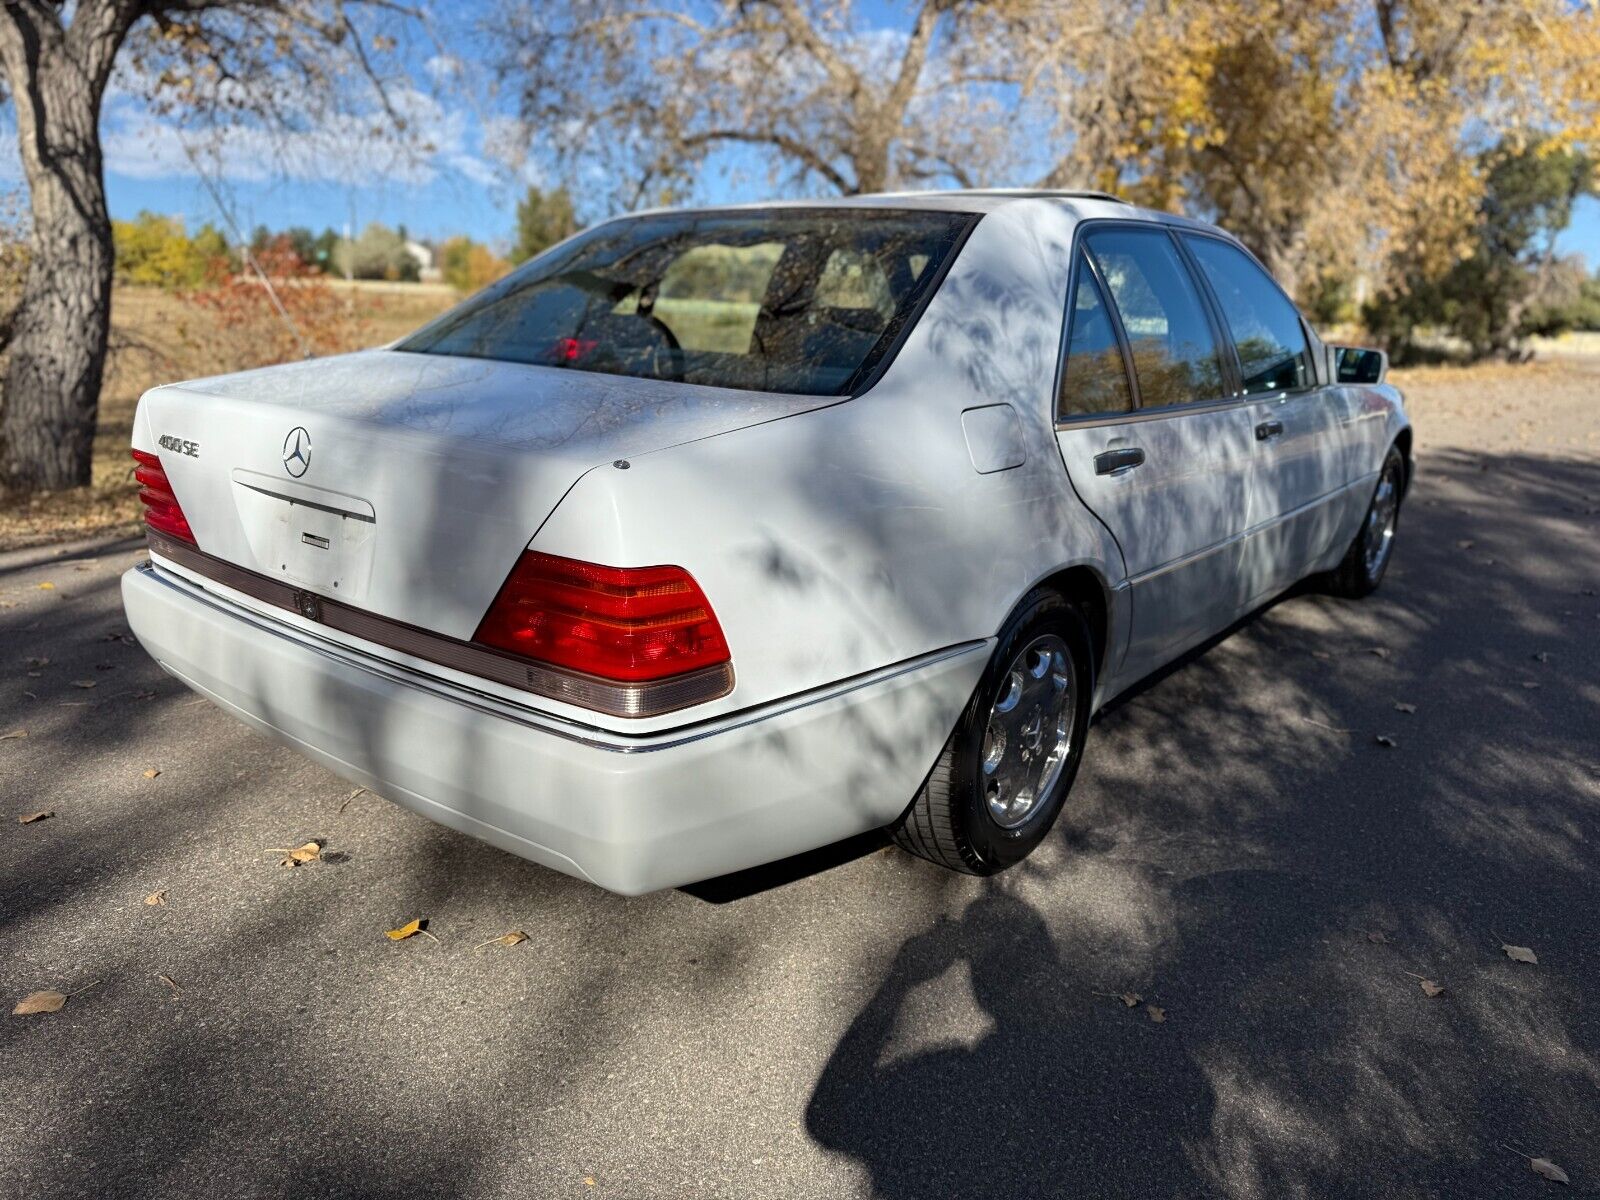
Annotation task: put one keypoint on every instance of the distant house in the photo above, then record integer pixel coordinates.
(423, 256)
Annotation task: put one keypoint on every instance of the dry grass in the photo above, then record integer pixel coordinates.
(1542, 407)
(158, 337)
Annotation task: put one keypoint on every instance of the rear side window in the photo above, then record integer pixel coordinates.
(1095, 379)
(1266, 328)
(798, 300)
(1174, 353)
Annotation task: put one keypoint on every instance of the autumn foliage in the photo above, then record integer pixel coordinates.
(241, 322)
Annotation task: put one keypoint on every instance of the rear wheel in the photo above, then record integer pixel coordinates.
(1003, 777)
(1368, 557)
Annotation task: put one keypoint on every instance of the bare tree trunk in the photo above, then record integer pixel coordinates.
(58, 342)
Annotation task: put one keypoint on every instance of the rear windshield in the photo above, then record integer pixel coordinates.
(805, 301)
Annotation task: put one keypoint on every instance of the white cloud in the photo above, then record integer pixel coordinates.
(505, 140)
(352, 149)
(442, 68)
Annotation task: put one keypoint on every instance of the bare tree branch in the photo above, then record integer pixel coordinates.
(790, 146)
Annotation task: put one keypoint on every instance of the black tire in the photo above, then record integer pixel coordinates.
(950, 822)
(1365, 563)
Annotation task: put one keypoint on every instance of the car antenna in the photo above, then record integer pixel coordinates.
(244, 248)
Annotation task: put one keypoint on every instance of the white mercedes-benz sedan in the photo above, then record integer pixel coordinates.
(713, 536)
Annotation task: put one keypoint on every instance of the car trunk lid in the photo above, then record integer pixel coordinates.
(407, 484)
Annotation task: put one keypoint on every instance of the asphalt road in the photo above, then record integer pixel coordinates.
(1241, 853)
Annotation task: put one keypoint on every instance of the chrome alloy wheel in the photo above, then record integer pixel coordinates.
(1381, 520)
(1029, 735)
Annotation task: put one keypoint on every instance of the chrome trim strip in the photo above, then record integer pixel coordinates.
(304, 503)
(1136, 415)
(502, 709)
(1233, 539)
(653, 698)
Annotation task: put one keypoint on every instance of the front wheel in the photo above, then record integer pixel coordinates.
(1003, 777)
(1368, 557)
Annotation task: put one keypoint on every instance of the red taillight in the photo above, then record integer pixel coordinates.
(161, 510)
(630, 624)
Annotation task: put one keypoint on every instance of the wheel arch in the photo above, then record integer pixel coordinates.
(1402, 440)
(1083, 586)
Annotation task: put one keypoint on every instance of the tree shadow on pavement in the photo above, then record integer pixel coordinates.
(1242, 852)
(1234, 838)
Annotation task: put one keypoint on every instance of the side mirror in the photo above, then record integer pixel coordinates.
(1352, 364)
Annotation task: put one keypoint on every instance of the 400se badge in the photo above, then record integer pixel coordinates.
(179, 445)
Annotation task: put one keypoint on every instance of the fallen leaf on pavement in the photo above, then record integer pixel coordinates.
(1378, 937)
(1546, 1169)
(47, 586)
(293, 856)
(83, 683)
(1380, 651)
(1431, 989)
(405, 931)
(505, 939)
(157, 897)
(151, 772)
(1519, 954)
(1385, 740)
(30, 818)
(15, 733)
(1157, 1014)
(168, 980)
(1131, 999)
(47, 1001)
(1401, 706)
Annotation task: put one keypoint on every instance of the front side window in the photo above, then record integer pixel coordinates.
(1265, 326)
(1174, 353)
(1095, 379)
(800, 301)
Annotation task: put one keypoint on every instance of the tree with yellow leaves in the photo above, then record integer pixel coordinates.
(1342, 139)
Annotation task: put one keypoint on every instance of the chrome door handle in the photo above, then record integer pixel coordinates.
(1268, 429)
(1118, 462)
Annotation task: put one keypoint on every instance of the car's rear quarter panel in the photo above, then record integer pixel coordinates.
(861, 535)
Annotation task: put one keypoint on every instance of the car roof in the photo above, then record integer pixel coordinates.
(1084, 204)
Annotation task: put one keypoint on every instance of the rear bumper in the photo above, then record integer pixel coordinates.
(629, 814)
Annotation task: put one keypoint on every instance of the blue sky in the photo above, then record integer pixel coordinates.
(460, 186)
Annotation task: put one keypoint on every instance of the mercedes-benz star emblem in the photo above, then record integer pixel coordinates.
(297, 451)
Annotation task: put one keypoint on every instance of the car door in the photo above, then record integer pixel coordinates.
(1154, 441)
(1297, 422)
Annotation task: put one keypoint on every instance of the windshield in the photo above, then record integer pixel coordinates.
(803, 301)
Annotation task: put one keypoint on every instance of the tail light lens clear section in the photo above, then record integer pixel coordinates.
(161, 510)
(626, 624)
